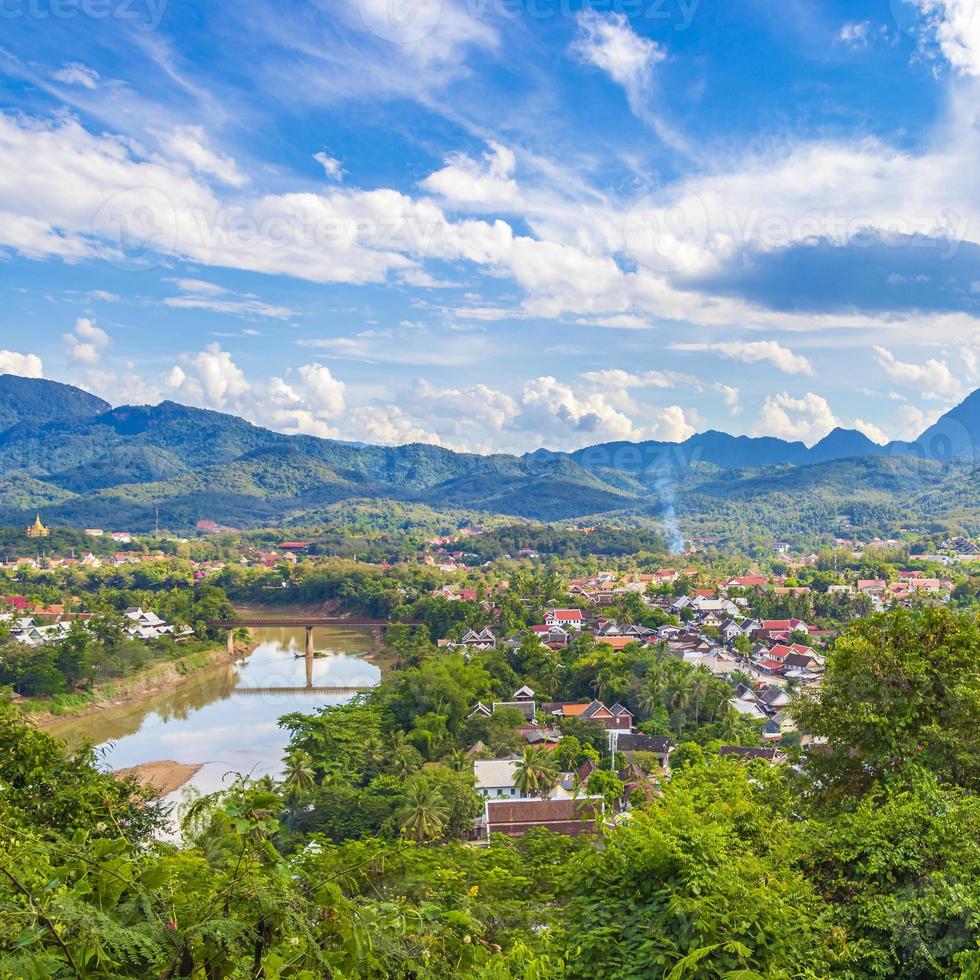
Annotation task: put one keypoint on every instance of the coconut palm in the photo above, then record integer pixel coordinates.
(651, 696)
(404, 761)
(300, 775)
(458, 760)
(550, 675)
(536, 773)
(424, 813)
(700, 689)
(729, 722)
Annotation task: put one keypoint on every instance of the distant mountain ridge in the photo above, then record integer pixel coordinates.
(84, 462)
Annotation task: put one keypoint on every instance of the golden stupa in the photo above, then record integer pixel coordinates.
(37, 529)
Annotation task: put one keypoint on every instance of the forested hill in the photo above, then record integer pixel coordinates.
(79, 461)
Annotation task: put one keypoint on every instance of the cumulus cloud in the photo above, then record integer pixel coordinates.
(327, 394)
(26, 365)
(755, 350)
(465, 181)
(209, 378)
(552, 408)
(386, 426)
(956, 26)
(807, 418)
(86, 342)
(874, 432)
(732, 398)
(672, 424)
(932, 378)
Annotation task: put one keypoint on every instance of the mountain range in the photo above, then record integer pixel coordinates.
(79, 461)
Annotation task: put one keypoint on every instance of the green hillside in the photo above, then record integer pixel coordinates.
(83, 463)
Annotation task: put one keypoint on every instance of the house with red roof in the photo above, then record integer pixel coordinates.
(567, 619)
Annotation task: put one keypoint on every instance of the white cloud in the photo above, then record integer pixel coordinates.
(331, 165)
(75, 73)
(86, 342)
(609, 43)
(561, 417)
(752, 351)
(68, 193)
(855, 33)
(200, 286)
(620, 321)
(327, 394)
(425, 33)
(25, 365)
(956, 25)
(732, 397)
(465, 181)
(209, 378)
(933, 379)
(873, 432)
(672, 425)
(618, 378)
(189, 143)
(807, 418)
(386, 426)
(243, 307)
(911, 421)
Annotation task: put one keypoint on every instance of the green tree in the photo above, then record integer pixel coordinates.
(901, 689)
(536, 774)
(424, 812)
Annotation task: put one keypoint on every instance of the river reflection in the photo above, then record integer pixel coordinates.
(209, 721)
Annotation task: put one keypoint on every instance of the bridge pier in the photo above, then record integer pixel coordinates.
(309, 656)
(231, 642)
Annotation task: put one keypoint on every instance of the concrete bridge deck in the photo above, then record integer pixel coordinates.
(304, 622)
(302, 690)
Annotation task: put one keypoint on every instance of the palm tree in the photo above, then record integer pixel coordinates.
(300, 775)
(729, 722)
(424, 813)
(649, 699)
(537, 773)
(404, 761)
(700, 689)
(373, 750)
(458, 760)
(680, 700)
(551, 675)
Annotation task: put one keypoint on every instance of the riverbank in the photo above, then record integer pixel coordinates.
(152, 681)
(163, 777)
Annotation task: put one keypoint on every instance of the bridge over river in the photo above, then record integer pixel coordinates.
(302, 690)
(309, 623)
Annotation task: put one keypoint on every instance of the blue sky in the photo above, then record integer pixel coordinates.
(497, 224)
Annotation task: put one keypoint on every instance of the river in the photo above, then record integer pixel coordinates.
(213, 721)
